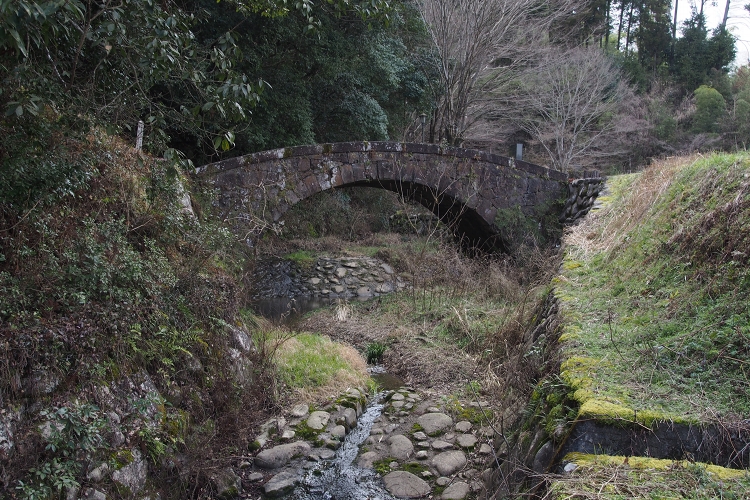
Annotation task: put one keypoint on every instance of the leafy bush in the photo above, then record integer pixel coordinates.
(73, 434)
(710, 107)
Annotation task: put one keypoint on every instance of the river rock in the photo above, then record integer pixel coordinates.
(420, 436)
(463, 426)
(280, 455)
(338, 432)
(401, 447)
(441, 445)
(434, 423)
(397, 397)
(466, 440)
(456, 491)
(404, 484)
(449, 462)
(300, 410)
(280, 484)
(318, 420)
(485, 449)
(367, 460)
(226, 483)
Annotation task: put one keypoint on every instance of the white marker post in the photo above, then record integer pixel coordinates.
(139, 136)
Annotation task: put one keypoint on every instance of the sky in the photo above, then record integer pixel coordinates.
(738, 22)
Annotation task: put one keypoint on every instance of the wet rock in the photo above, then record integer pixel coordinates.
(449, 462)
(466, 440)
(280, 455)
(133, 475)
(456, 491)
(280, 484)
(404, 484)
(401, 447)
(434, 423)
(318, 420)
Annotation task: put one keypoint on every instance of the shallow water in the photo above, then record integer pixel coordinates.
(340, 478)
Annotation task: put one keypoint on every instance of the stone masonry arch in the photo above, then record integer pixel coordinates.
(467, 189)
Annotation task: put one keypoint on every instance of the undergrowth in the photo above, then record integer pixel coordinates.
(110, 276)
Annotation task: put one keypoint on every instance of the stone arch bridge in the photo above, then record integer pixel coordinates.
(476, 193)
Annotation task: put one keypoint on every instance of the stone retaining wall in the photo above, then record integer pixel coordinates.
(582, 194)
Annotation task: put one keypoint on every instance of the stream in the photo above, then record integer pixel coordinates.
(340, 479)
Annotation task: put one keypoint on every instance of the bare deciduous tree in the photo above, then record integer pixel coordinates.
(481, 44)
(569, 102)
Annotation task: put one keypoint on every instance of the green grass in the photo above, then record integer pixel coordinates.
(655, 297)
(303, 258)
(308, 360)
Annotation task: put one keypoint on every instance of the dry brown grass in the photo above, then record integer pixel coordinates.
(604, 229)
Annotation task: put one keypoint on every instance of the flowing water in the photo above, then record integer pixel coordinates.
(340, 478)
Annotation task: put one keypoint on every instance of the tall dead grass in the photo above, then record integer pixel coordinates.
(605, 229)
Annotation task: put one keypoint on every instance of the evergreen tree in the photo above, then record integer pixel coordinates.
(696, 54)
(653, 33)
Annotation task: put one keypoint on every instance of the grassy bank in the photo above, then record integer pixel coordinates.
(655, 290)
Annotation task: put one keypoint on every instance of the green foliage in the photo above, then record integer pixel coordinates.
(374, 352)
(72, 433)
(383, 466)
(696, 54)
(710, 107)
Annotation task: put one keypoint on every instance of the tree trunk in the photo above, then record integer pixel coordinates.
(674, 32)
(726, 15)
(619, 25)
(630, 23)
(606, 26)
